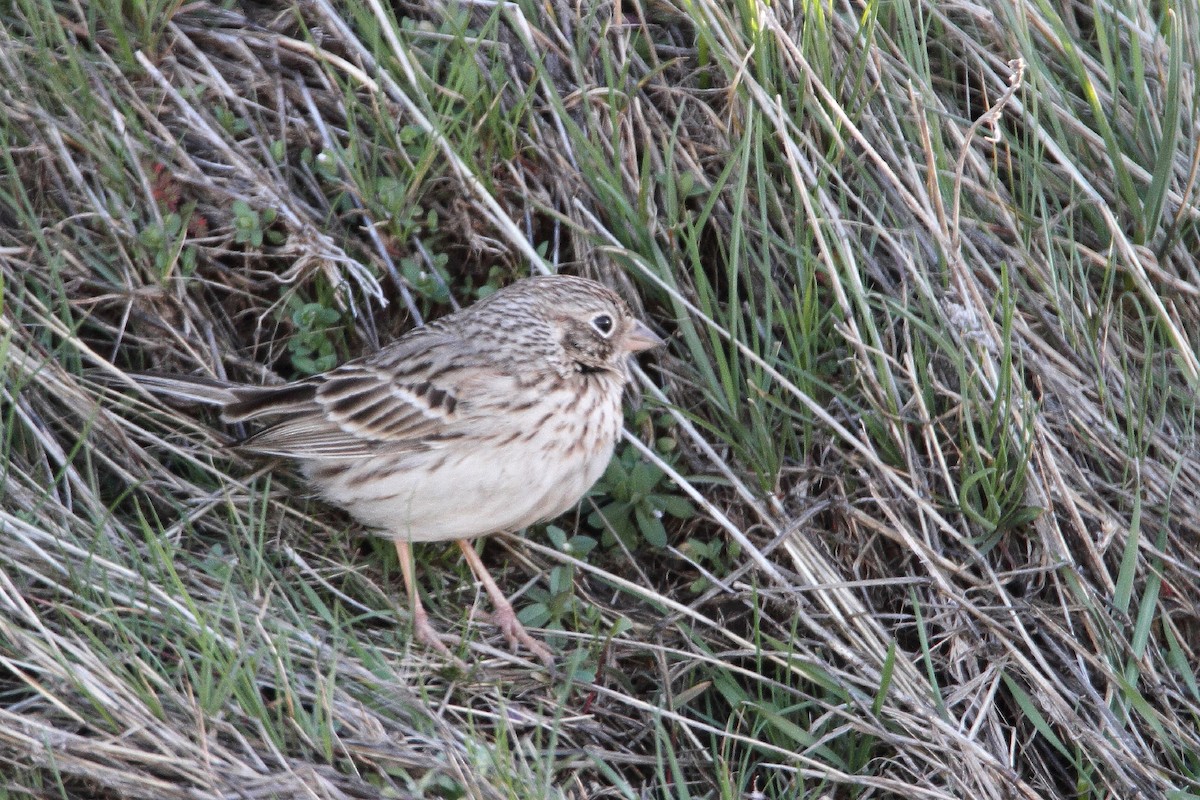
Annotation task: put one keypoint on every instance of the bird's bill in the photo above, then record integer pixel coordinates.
(641, 338)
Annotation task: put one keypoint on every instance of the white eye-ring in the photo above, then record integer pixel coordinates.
(603, 324)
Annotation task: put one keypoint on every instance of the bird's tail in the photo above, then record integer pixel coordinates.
(237, 402)
(187, 389)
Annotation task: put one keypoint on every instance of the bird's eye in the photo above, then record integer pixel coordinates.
(603, 323)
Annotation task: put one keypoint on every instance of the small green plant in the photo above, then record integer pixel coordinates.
(551, 608)
(311, 346)
(323, 163)
(712, 555)
(638, 499)
(230, 122)
(578, 545)
(429, 285)
(251, 227)
(165, 241)
(497, 277)
(406, 218)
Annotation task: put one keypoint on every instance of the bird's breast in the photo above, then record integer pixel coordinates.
(531, 459)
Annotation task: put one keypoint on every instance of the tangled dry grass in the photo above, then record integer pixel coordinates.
(930, 276)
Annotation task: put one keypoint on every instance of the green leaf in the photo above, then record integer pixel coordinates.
(615, 474)
(651, 527)
(561, 580)
(676, 506)
(580, 545)
(557, 536)
(536, 615)
(1031, 711)
(644, 478)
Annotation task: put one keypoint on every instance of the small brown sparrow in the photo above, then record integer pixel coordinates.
(486, 420)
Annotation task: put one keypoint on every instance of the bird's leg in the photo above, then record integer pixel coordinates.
(504, 616)
(422, 630)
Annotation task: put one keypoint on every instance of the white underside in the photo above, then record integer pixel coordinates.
(453, 493)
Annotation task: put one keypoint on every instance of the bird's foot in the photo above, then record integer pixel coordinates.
(503, 616)
(427, 635)
(424, 633)
(506, 620)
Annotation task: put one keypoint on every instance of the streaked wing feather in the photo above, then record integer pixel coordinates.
(315, 441)
(382, 403)
(269, 401)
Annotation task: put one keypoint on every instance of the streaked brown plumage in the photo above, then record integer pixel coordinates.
(489, 419)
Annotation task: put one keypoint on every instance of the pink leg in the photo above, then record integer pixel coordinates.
(422, 630)
(504, 616)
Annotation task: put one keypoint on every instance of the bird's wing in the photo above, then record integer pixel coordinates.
(403, 399)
